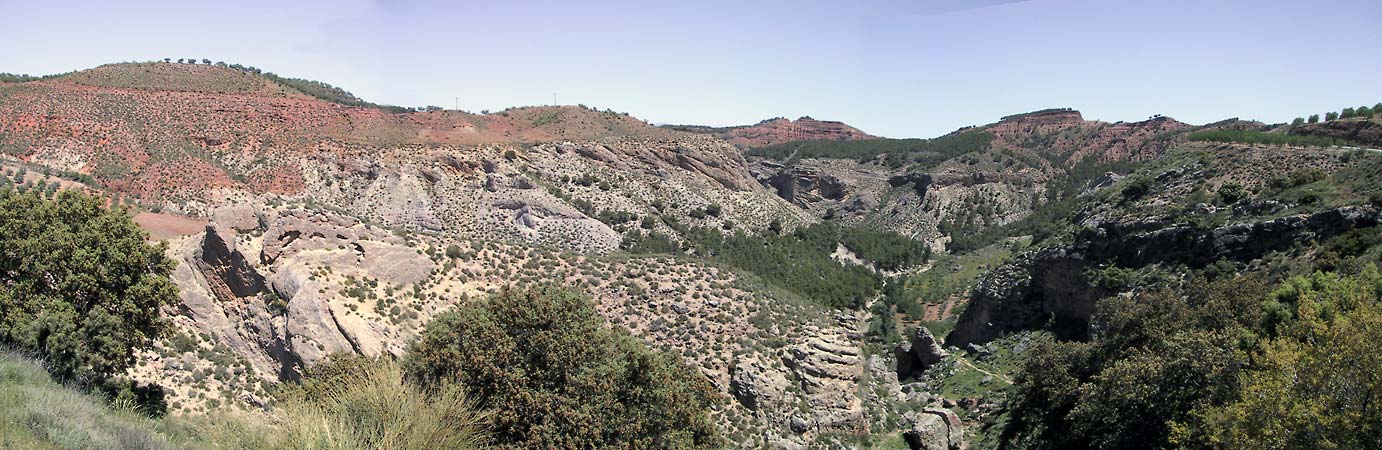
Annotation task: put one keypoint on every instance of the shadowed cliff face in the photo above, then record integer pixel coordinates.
(231, 270)
(1047, 288)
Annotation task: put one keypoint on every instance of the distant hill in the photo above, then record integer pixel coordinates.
(780, 130)
(172, 125)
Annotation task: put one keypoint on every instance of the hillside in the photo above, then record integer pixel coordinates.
(828, 287)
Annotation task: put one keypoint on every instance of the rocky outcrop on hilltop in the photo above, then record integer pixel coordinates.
(1065, 133)
(780, 130)
(1049, 285)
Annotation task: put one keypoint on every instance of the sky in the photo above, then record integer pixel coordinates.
(917, 68)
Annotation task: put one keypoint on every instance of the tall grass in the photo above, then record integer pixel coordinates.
(370, 408)
(38, 413)
(378, 409)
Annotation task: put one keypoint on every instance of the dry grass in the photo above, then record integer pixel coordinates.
(373, 409)
(378, 409)
(37, 413)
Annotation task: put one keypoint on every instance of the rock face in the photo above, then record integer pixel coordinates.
(756, 386)
(802, 185)
(1024, 294)
(934, 429)
(208, 303)
(1038, 286)
(230, 273)
(827, 367)
(1138, 243)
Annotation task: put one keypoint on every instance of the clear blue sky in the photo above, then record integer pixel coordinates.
(896, 68)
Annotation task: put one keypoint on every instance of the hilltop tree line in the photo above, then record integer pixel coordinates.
(1347, 113)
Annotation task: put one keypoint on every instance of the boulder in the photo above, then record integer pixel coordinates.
(934, 429)
(919, 353)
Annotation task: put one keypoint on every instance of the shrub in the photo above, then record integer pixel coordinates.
(1135, 189)
(1156, 358)
(552, 375)
(83, 288)
(1232, 192)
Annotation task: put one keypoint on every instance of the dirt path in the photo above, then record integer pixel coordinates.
(168, 226)
(996, 376)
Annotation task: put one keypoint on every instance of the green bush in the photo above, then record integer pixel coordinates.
(650, 242)
(1232, 192)
(83, 288)
(551, 374)
(1222, 364)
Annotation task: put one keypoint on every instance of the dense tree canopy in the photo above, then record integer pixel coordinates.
(550, 374)
(1320, 381)
(1226, 365)
(79, 284)
(799, 261)
(1155, 358)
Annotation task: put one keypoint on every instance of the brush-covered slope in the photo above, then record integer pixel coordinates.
(187, 137)
(959, 184)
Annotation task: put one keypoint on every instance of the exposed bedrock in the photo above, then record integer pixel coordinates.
(802, 185)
